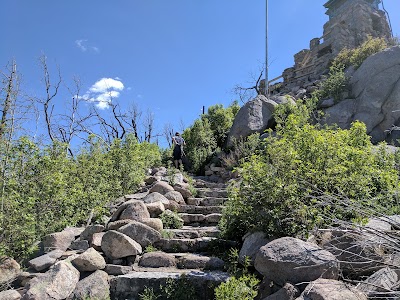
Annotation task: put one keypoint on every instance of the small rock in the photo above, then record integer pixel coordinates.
(251, 244)
(87, 234)
(79, 245)
(111, 269)
(153, 223)
(96, 240)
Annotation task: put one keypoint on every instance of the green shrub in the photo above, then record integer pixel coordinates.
(44, 190)
(179, 289)
(281, 184)
(243, 288)
(337, 81)
(208, 134)
(171, 220)
(148, 294)
(241, 149)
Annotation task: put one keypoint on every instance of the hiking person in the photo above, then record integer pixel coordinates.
(178, 142)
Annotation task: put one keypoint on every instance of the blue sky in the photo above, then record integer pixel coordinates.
(171, 57)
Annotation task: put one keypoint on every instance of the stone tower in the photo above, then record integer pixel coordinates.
(350, 23)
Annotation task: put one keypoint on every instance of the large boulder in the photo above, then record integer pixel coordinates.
(175, 196)
(141, 233)
(118, 245)
(328, 289)
(155, 197)
(132, 210)
(375, 88)
(292, 260)
(95, 286)
(382, 283)
(89, 261)
(252, 242)
(136, 210)
(10, 295)
(57, 283)
(45, 261)
(359, 252)
(255, 116)
(161, 187)
(9, 270)
(157, 260)
(58, 240)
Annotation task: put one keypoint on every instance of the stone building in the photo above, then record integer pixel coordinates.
(350, 23)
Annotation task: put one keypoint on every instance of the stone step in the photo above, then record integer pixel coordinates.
(200, 219)
(206, 184)
(217, 193)
(191, 232)
(198, 261)
(209, 201)
(201, 283)
(205, 210)
(184, 245)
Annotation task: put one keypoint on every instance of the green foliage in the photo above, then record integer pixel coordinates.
(282, 182)
(208, 133)
(179, 289)
(337, 82)
(44, 190)
(148, 294)
(150, 248)
(171, 220)
(241, 149)
(243, 288)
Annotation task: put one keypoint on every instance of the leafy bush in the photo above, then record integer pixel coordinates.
(208, 134)
(181, 289)
(171, 220)
(241, 149)
(337, 82)
(243, 288)
(44, 190)
(281, 183)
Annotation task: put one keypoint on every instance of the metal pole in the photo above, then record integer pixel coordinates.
(266, 50)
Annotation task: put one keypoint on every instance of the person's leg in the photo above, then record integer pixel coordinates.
(180, 163)
(176, 164)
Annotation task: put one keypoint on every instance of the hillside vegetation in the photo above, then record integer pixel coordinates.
(44, 190)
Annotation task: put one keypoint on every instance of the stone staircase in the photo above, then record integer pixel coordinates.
(183, 251)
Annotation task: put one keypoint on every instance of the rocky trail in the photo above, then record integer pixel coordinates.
(133, 251)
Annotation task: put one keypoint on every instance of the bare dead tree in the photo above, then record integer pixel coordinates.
(148, 124)
(51, 89)
(10, 91)
(134, 115)
(246, 93)
(168, 133)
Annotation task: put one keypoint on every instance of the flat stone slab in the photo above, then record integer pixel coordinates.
(209, 201)
(183, 245)
(129, 286)
(206, 192)
(205, 210)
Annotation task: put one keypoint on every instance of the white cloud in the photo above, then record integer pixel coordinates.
(106, 84)
(83, 45)
(80, 45)
(103, 91)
